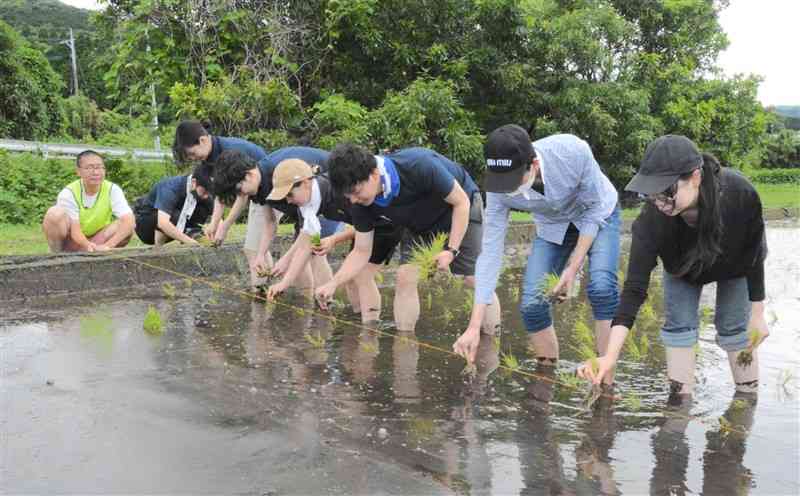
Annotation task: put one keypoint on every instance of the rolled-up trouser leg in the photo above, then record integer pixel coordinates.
(680, 331)
(545, 258)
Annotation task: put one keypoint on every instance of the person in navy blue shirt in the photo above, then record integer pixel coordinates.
(238, 178)
(297, 183)
(420, 190)
(175, 208)
(193, 142)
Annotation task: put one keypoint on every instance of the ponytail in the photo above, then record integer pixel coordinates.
(709, 221)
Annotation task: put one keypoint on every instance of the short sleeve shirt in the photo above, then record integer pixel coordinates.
(426, 179)
(312, 156)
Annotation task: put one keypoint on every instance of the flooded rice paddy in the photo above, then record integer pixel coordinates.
(239, 396)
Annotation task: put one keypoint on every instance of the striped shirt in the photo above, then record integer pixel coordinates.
(575, 191)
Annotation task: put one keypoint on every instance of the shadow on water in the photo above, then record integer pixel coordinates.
(249, 367)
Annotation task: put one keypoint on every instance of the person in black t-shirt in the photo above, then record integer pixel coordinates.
(296, 183)
(421, 191)
(705, 224)
(175, 208)
(237, 176)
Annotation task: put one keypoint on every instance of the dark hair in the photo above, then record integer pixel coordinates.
(229, 170)
(86, 153)
(349, 165)
(203, 174)
(709, 221)
(187, 134)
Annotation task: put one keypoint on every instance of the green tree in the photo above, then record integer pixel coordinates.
(30, 91)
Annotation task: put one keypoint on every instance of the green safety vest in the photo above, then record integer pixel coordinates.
(96, 217)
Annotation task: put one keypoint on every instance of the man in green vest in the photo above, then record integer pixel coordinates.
(90, 214)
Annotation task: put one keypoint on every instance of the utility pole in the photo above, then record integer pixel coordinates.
(156, 137)
(71, 44)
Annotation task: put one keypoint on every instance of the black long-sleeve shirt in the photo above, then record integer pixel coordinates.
(656, 235)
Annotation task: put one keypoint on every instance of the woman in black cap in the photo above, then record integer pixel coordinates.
(704, 222)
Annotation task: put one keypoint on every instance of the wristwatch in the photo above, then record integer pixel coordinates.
(454, 251)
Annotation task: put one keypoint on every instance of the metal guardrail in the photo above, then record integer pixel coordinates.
(65, 150)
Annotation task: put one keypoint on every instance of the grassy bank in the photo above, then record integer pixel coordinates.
(16, 239)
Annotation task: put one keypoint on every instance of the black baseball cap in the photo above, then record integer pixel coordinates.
(508, 150)
(665, 160)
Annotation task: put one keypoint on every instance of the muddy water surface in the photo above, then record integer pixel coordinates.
(241, 397)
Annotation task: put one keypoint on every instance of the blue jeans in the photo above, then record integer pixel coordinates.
(547, 257)
(681, 320)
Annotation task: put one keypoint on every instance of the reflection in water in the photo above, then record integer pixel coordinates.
(405, 358)
(249, 366)
(595, 469)
(725, 448)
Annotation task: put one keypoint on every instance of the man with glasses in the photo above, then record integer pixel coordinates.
(83, 218)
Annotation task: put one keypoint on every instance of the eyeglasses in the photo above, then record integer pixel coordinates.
(665, 198)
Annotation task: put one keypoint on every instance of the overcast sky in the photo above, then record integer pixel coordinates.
(762, 36)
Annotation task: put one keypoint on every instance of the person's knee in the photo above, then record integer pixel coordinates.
(603, 294)
(54, 216)
(536, 316)
(406, 278)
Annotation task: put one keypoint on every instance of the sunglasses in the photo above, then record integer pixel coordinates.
(666, 197)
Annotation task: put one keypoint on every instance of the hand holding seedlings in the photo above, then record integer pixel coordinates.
(426, 257)
(275, 290)
(745, 357)
(547, 289)
(563, 288)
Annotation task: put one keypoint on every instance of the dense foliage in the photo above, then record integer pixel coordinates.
(30, 183)
(394, 73)
(30, 101)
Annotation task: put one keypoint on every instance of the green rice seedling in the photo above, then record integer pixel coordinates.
(205, 242)
(213, 301)
(620, 278)
(299, 311)
(569, 379)
(738, 405)
(632, 402)
(470, 370)
(496, 342)
(515, 292)
(168, 290)
(644, 345)
(745, 357)
(725, 427)
(316, 240)
(547, 286)
(647, 316)
(510, 361)
(632, 347)
(424, 255)
(467, 305)
(447, 315)
(315, 341)
(706, 316)
(264, 273)
(379, 278)
(152, 321)
(429, 301)
(368, 348)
